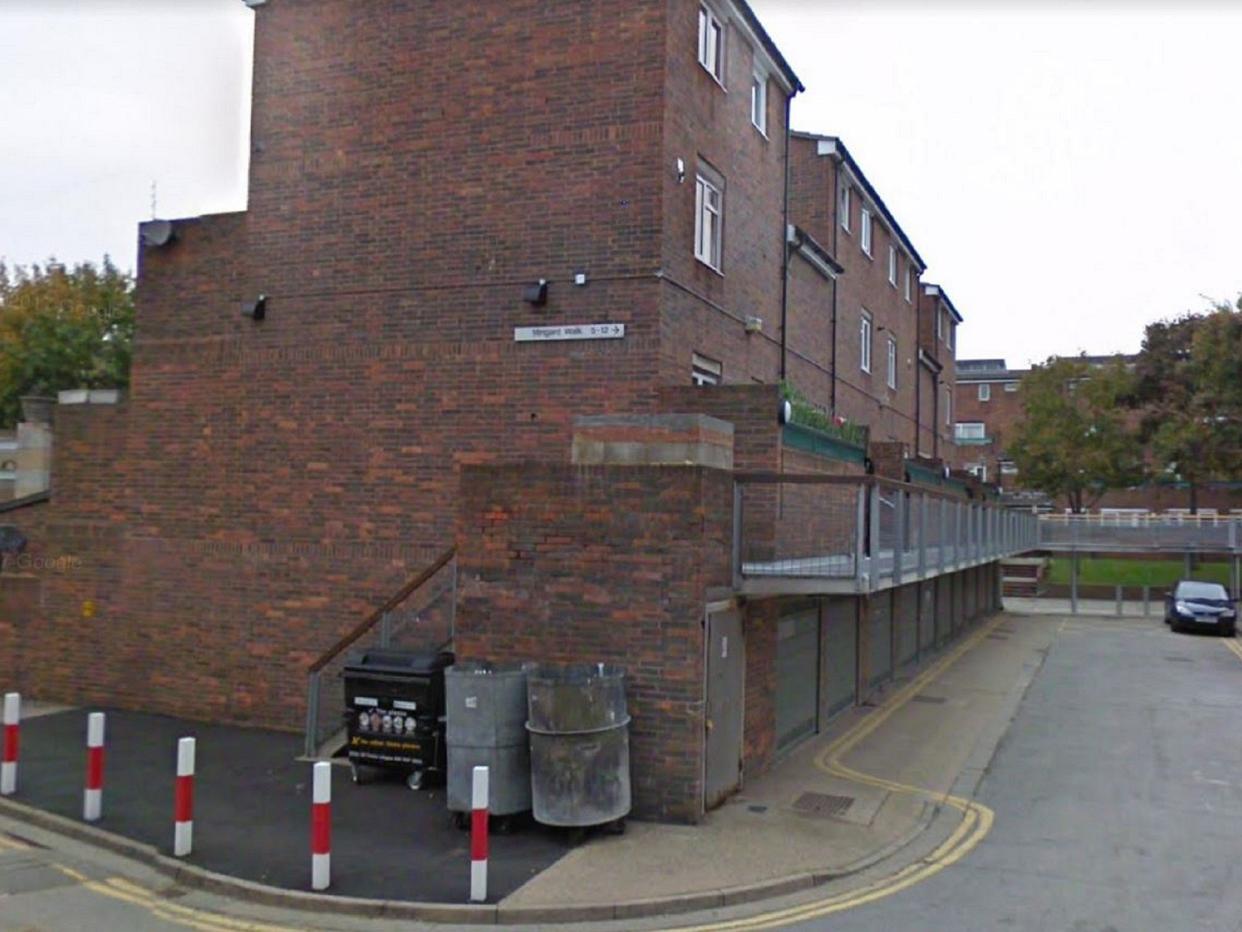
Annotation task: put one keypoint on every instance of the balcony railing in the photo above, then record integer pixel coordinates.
(1178, 533)
(861, 534)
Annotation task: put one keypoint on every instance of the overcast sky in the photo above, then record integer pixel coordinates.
(1069, 171)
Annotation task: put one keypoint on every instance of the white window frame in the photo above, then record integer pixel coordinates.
(970, 430)
(711, 43)
(892, 363)
(892, 266)
(950, 339)
(948, 407)
(985, 391)
(708, 221)
(759, 103)
(845, 204)
(705, 371)
(864, 341)
(865, 237)
(909, 286)
(940, 323)
(1011, 387)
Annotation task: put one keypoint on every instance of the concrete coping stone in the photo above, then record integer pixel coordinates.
(662, 422)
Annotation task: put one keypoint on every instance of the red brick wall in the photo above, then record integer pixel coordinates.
(861, 396)
(604, 564)
(705, 310)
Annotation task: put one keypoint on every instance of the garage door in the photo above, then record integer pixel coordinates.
(797, 676)
(840, 664)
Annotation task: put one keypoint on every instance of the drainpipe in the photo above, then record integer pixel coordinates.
(785, 243)
(836, 223)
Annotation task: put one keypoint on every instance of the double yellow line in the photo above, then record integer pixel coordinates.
(126, 892)
(976, 821)
(1233, 646)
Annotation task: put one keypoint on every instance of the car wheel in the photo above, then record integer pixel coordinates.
(1229, 630)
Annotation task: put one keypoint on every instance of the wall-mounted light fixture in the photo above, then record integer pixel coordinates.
(784, 414)
(681, 171)
(257, 309)
(754, 324)
(536, 294)
(580, 278)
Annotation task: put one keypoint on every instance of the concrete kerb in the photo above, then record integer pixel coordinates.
(188, 875)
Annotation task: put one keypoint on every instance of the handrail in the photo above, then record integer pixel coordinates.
(370, 621)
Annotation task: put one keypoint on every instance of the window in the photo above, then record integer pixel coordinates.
(759, 103)
(864, 342)
(1008, 468)
(979, 471)
(892, 363)
(1011, 387)
(985, 391)
(970, 430)
(948, 407)
(939, 325)
(708, 220)
(704, 371)
(892, 266)
(844, 207)
(952, 327)
(909, 285)
(866, 231)
(711, 44)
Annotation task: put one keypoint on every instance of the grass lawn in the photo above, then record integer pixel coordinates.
(1114, 572)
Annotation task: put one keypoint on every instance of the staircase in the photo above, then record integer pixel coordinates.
(1022, 577)
(418, 616)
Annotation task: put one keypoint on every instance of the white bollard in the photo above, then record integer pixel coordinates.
(478, 836)
(8, 756)
(321, 827)
(92, 796)
(183, 809)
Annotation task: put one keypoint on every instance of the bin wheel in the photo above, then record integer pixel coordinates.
(576, 837)
(359, 773)
(461, 820)
(504, 825)
(615, 827)
(415, 780)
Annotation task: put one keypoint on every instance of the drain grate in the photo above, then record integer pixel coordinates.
(930, 700)
(823, 804)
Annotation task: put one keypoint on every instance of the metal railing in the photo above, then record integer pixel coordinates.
(421, 614)
(1119, 532)
(864, 533)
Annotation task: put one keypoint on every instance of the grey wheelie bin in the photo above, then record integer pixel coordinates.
(486, 709)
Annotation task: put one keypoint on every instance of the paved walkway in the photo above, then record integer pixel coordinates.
(902, 774)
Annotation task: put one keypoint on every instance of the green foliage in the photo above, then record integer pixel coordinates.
(63, 328)
(1074, 439)
(1189, 389)
(807, 414)
(1118, 572)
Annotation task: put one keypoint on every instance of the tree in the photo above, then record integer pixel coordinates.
(1189, 389)
(1074, 438)
(63, 328)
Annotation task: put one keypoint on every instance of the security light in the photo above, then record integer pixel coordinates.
(255, 310)
(536, 294)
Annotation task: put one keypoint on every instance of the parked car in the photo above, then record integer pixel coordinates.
(1195, 604)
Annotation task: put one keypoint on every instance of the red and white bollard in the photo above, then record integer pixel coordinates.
(321, 827)
(8, 756)
(478, 836)
(92, 797)
(183, 807)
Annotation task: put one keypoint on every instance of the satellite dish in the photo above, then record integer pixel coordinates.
(156, 233)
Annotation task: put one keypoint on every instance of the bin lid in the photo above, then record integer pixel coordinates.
(399, 662)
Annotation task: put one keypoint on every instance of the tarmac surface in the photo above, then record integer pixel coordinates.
(252, 810)
(1117, 796)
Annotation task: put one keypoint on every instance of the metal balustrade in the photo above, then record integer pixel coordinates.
(848, 534)
(1181, 533)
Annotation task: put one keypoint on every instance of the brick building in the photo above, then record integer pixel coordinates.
(539, 313)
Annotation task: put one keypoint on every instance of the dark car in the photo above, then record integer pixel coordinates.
(1193, 604)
